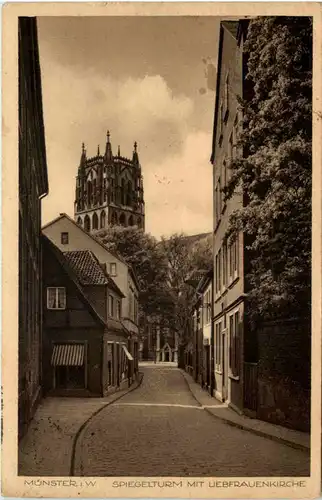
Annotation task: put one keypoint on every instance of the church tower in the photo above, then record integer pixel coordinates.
(109, 190)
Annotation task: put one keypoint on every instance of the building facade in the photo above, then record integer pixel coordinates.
(109, 190)
(159, 343)
(69, 236)
(229, 256)
(85, 347)
(33, 186)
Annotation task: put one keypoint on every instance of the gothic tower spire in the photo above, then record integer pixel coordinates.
(82, 163)
(108, 149)
(135, 158)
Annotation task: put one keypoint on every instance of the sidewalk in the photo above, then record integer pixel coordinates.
(295, 439)
(47, 448)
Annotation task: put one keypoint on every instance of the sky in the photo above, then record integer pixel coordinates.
(145, 79)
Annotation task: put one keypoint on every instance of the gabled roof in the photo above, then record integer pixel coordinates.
(71, 274)
(63, 215)
(97, 240)
(88, 269)
(110, 323)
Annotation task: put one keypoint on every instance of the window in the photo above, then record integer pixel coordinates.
(219, 270)
(218, 201)
(56, 298)
(225, 182)
(64, 238)
(113, 269)
(218, 347)
(231, 147)
(226, 98)
(111, 306)
(234, 343)
(234, 259)
(225, 265)
(207, 307)
(235, 137)
(118, 309)
(220, 123)
(217, 275)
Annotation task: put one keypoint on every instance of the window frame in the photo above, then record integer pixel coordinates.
(64, 235)
(56, 288)
(113, 274)
(111, 306)
(218, 347)
(234, 343)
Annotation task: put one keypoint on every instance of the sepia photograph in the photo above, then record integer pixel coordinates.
(164, 249)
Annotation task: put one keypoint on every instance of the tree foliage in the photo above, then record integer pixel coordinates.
(275, 167)
(146, 256)
(185, 256)
(162, 268)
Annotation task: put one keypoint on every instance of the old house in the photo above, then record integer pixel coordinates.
(85, 345)
(199, 356)
(260, 371)
(69, 236)
(33, 186)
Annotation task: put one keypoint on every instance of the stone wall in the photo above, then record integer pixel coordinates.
(284, 373)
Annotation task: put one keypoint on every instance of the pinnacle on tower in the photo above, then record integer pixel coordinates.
(118, 151)
(135, 158)
(108, 149)
(98, 150)
(82, 162)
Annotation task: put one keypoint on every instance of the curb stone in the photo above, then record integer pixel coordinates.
(266, 435)
(246, 428)
(84, 424)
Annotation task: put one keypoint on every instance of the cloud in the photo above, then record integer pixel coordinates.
(81, 105)
(178, 190)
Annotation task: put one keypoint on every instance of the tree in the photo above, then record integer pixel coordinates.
(274, 170)
(146, 256)
(184, 255)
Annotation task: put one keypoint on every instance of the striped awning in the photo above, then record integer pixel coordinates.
(127, 353)
(68, 355)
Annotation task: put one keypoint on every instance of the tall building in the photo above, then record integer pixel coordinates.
(33, 185)
(262, 370)
(229, 256)
(109, 190)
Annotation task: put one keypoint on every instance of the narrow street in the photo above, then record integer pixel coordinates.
(160, 430)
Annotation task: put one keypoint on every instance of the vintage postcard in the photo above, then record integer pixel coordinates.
(162, 250)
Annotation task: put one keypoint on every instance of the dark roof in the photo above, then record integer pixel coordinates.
(88, 269)
(70, 272)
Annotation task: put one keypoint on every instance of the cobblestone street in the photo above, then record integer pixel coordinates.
(161, 430)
